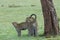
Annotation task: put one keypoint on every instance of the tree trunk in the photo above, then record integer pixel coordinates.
(50, 18)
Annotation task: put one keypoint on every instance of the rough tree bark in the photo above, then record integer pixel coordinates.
(50, 18)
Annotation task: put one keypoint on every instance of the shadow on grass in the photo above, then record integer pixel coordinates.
(58, 19)
(33, 5)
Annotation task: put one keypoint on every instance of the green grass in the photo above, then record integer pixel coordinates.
(9, 15)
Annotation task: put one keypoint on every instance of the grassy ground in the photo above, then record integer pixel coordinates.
(18, 14)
